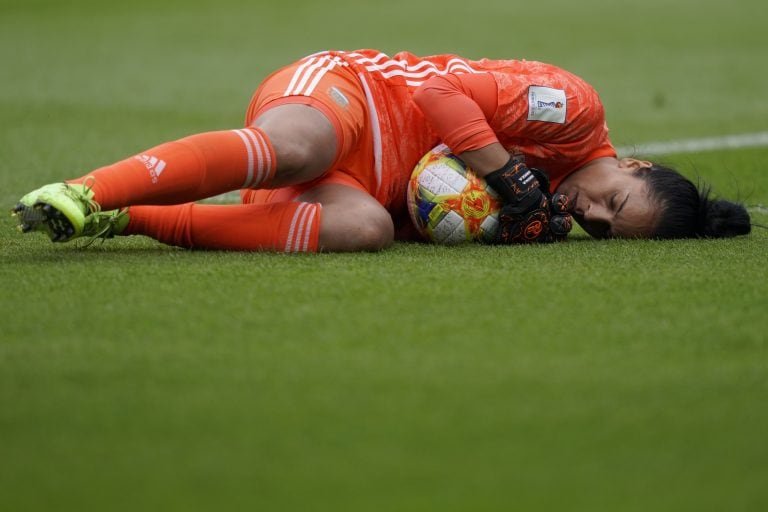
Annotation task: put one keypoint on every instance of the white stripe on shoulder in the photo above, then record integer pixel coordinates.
(362, 59)
(322, 52)
(389, 67)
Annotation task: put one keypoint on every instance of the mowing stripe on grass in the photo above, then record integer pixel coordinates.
(744, 140)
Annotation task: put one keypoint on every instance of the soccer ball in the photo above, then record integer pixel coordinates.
(448, 203)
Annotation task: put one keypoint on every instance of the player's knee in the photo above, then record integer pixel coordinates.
(375, 234)
(302, 159)
(362, 227)
(296, 157)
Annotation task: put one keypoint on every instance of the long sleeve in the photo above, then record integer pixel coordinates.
(458, 107)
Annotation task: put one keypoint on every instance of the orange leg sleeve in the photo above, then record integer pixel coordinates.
(281, 227)
(188, 169)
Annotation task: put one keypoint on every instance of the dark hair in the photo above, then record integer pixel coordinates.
(687, 211)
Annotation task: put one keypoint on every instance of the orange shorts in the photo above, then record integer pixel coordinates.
(334, 89)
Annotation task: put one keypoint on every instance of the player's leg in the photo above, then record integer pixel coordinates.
(289, 144)
(335, 212)
(287, 139)
(304, 141)
(326, 217)
(291, 139)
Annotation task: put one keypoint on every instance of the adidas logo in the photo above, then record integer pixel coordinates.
(154, 165)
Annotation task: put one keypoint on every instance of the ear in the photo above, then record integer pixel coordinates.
(634, 163)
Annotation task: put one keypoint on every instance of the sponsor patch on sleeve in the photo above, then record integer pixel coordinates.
(546, 104)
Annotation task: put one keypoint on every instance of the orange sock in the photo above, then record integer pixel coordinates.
(196, 167)
(281, 227)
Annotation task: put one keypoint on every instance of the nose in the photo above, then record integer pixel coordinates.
(597, 213)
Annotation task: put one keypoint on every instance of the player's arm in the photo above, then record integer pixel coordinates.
(458, 107)
(487, 159)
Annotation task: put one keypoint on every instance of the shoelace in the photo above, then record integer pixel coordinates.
(105, 223)
(85, 195)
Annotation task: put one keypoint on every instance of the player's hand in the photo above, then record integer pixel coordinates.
(560, 222)
(548, 222)
(543, 221)
(518, 186)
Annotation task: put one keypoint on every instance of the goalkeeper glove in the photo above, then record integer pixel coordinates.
(529, 214)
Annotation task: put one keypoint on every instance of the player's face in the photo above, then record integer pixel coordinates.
(608, 200)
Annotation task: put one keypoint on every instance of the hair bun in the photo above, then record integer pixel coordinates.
(719, 218)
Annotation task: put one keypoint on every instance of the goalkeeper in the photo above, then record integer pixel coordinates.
(328, 146)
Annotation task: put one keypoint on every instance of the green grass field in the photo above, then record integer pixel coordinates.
(587, 376)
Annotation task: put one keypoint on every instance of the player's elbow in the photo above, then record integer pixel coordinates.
(420, 96)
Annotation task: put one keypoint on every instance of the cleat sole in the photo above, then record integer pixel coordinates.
(57, 225)
(45, 218)
(29, 218)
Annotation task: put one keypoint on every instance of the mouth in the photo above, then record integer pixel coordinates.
(595, 230)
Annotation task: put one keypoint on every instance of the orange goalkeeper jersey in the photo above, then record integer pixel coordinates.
(552, 117)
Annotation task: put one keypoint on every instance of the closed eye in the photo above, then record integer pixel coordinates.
(621, 206)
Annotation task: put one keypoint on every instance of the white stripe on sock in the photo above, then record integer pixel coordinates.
(292, 228)
(305, 245)
(258, 175)
(249, 149)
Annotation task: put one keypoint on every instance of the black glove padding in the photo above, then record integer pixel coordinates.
(561, 222)
(530, 214)
(547, 222)
(517, 185)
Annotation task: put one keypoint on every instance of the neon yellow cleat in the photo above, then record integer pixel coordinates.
(65, 212)
(105, 225)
